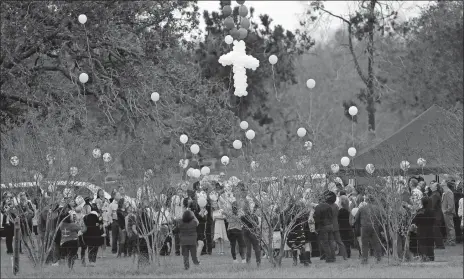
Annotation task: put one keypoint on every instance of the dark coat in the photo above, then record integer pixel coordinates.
(436, 207)
(92, 235)
(346, 232)
(425, 237)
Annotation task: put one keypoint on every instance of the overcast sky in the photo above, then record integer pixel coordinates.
(288, 13)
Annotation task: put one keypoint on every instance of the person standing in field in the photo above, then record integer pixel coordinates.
(188, 238)
(250, 231)
(70, 232)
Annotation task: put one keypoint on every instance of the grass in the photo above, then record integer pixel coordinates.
(448, 265)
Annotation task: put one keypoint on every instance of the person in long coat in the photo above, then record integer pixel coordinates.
(424, 221)
(438, 214)
(93, 234)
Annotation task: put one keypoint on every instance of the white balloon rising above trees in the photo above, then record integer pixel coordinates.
(310, 83)
(240, 61)
(155, 96)
(82, 19)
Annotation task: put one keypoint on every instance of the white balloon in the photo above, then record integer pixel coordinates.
(225, 160)
(237, 144)
(352, 151)
(335, 168)
(310, 83)
(194, 148)
(405, 165)
(82, 19)
(196, 173)
(353, 110)
(244, 125)
(107, 157)
(301, 132)
(250, 134)
(308, 145)
(155, 96)
(205, 170)
(190, 172)
(370, 168)
(345, 161)
(83, 77)
(421, 162)
(183, 139)
(14, 160)
(96, 153)
(273, 59)
(73, 171)
(229, 39)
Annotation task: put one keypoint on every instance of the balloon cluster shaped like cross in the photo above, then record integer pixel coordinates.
(240, 61)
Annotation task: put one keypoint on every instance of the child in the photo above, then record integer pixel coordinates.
(70, 232)
(188, 238)
(220, 233)
(166, 240)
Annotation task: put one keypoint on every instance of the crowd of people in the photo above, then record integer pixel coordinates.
(342, 219)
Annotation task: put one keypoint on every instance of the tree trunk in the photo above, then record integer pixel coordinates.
(370, 68)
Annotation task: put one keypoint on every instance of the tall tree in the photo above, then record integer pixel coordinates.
(129, 50)
(371, 17)
(426, 67)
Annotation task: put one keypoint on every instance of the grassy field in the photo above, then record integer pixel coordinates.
(449, 264)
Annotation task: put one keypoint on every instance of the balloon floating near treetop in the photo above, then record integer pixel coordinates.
(421, 162)
(229, 23)
(244, 125)
(353, 110)
(250, 134)
(245, 23)
(194, 149)
(82, 19)
(301, 132)
(227, 10)
(107, 157)
(155, 97)
(310, 83)
(345, 161)
(183, 139)
(96, 153)
(237, 144)
(205, 170)
(243, 11)
(370, 168)
(225, 160)
(405, 165)
(229, 39)
(83, 78)
(352, 151)
(273, 59)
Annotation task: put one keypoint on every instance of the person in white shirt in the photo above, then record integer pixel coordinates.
(416, 194)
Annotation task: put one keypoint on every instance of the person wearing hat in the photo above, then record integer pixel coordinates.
(449, 210)
(438, 214)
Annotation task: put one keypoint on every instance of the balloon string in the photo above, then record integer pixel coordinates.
(273, 81)
(352, 129)
(310, 105)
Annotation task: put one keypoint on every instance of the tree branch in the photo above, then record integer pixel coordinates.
(350, 44)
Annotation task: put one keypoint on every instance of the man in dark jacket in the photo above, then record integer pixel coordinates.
(367, 219)
(438, 214)
(336, 228)
(323, 216)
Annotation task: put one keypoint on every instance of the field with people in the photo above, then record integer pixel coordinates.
(448, 264)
